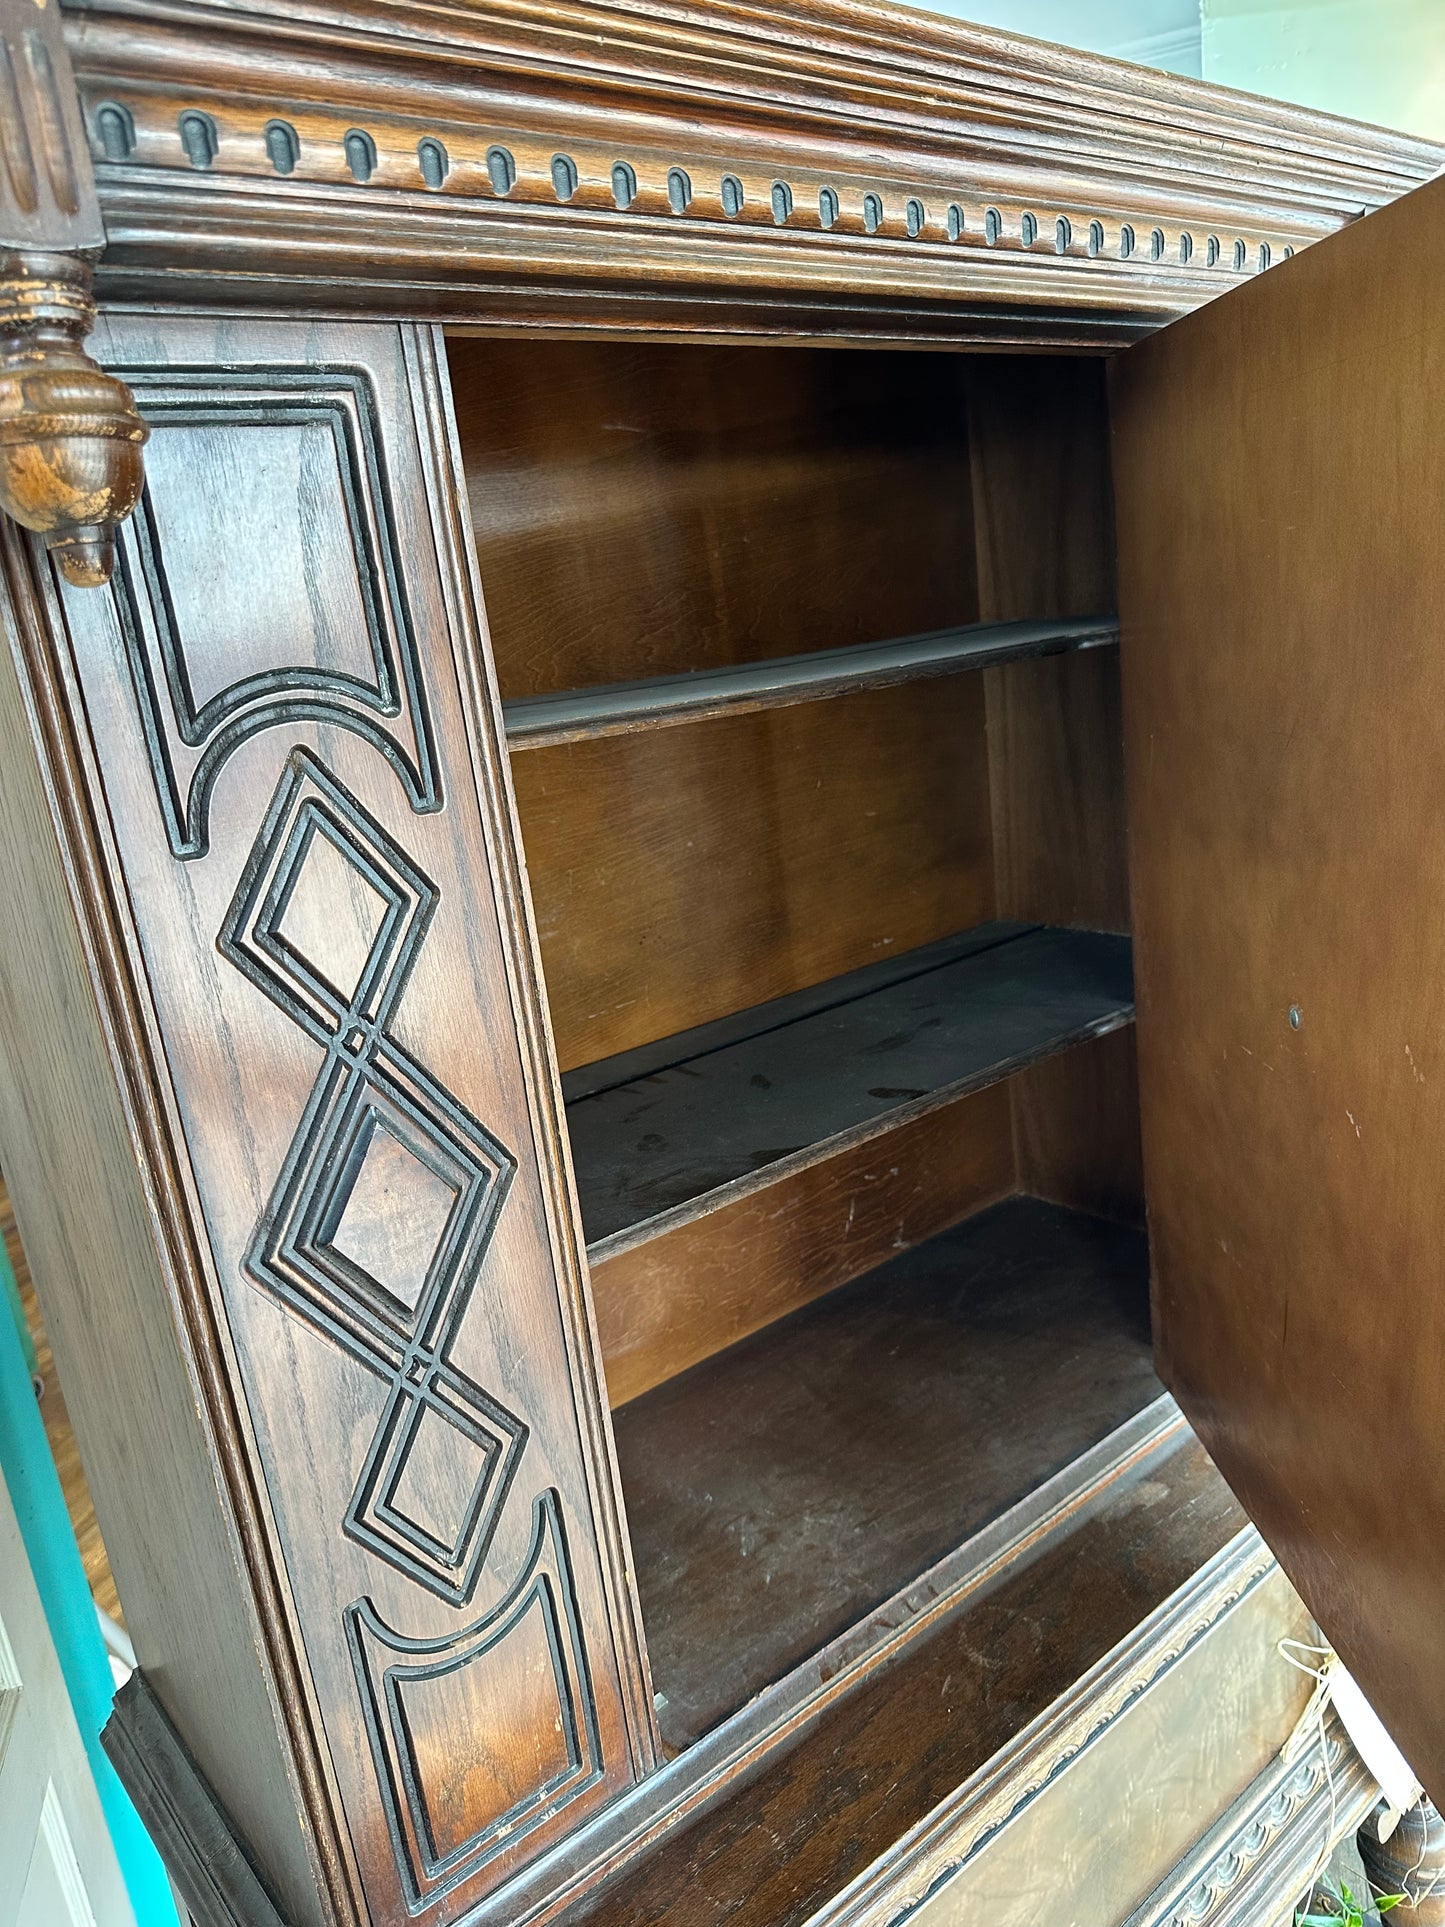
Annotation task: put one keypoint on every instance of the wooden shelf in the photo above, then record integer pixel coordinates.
(929, 1717)
(615, 709)
(783, 1490)
(667, 1132)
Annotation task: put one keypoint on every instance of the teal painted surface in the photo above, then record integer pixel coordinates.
(1375, 60)
(11, 1292)
(34, 1487)
(1371, 60)
(1154, 33)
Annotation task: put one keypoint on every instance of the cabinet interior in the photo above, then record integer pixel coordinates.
(834, 928)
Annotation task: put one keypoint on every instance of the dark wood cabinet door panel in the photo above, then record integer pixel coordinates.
(1280, 470)
(296, 755)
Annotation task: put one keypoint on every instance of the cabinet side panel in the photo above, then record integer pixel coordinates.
(312, 839)
(1043, 517)
(70, 1158)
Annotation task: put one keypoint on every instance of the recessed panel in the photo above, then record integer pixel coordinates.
(283, 483)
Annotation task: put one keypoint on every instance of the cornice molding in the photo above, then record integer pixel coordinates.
(813, 168)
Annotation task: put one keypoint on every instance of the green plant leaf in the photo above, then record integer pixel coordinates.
(1386, 1901)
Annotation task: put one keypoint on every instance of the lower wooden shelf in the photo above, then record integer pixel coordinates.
(780, 1491)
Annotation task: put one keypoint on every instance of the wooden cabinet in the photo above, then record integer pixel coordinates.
(569, 1025)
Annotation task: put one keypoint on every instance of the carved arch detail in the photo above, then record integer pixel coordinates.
(437, 1846)
(378, 696)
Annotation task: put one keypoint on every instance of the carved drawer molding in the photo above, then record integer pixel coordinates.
(1175, 1730)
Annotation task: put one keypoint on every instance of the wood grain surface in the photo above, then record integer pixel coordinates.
(1076, 1128)
(620, 708)
(787, 1486)
(1043, 518)
(673, 1299)
(72, 1093)
(649, 510)
(643, 509)
(788, 171)
(1066, 1129)
(969, 1010)
(816, 1817)
(358, 1132)
(59, 1432)
(1280, 468)
(685, 874)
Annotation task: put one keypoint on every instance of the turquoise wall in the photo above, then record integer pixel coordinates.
(1158, 33)
(34, 1486)
(1379, 60)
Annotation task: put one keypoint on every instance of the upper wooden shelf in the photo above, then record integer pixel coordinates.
(678, 1127)
(618, 708)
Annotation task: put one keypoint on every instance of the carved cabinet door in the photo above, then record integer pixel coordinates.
(285, 745)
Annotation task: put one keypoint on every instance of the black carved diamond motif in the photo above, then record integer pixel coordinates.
(381, 1217)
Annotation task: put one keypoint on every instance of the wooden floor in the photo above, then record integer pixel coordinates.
(780, 1490)
(58, 1428)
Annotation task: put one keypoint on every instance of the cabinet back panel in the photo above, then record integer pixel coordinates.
(1056, 759)
(1065, 1129)
(663, 1305)
(1038, 434)
(643, 509)
(1044, 526)
(686, 873)
(1076, 1128)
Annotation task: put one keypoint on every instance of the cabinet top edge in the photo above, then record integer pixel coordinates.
(801, 167)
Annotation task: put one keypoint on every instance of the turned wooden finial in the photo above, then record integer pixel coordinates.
(70, 437)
